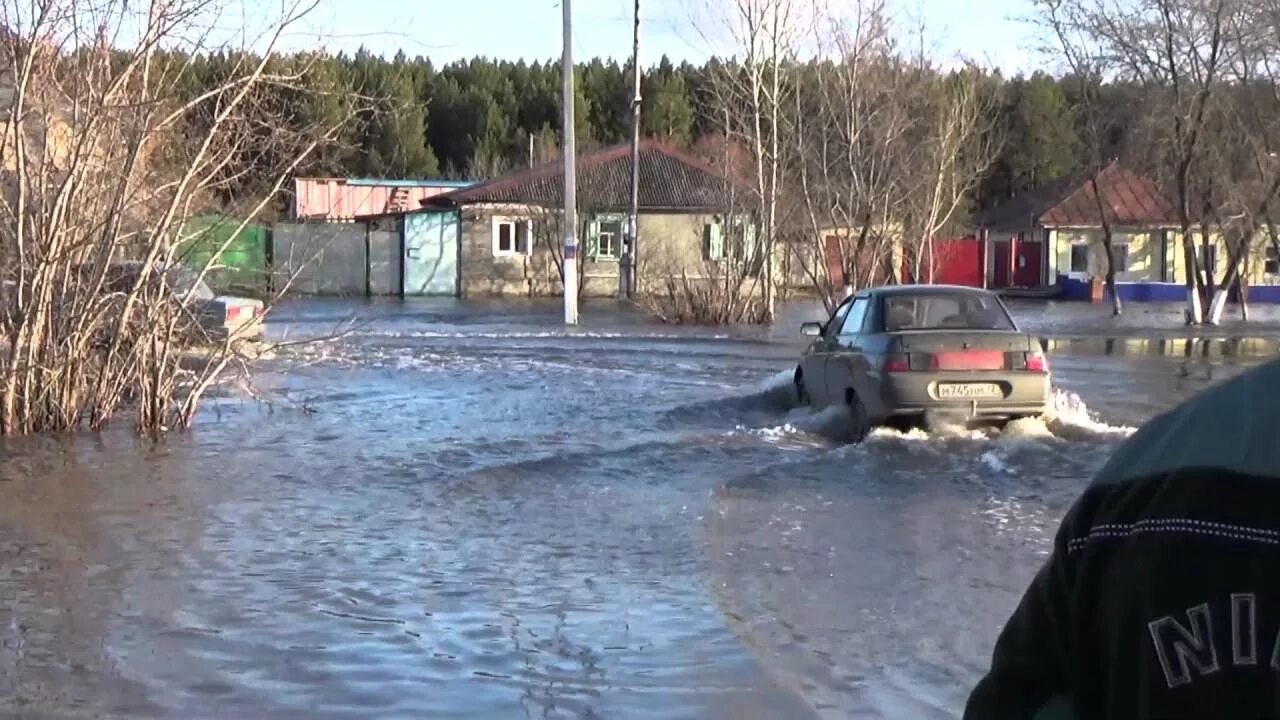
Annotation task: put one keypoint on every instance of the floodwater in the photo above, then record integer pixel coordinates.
(470, 511)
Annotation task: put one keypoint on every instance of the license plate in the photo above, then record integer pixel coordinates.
(968, 391)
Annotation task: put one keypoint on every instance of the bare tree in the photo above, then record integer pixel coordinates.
(708, 291)
(1241, 182)
(1085, 67)
(749, 100)
(1209, 86)
(716, 276)
(949, 148)
(886, 151)
(546, 226)
(104, 159)
(1177, 51)
(846, 124)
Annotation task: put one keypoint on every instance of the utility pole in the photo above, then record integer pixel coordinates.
(626, 278)
(570, 261)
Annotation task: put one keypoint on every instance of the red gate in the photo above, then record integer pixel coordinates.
(1029, 257)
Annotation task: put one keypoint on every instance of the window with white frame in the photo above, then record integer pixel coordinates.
(713, 241)
(510, 237)
(1272, 264)
(609, 239)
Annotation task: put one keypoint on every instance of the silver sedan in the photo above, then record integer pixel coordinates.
(893, 354)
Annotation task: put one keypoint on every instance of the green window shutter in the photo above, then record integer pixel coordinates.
(593, 239)
(714, 236)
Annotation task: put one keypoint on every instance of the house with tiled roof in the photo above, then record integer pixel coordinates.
(1050, 238)
(506, 231)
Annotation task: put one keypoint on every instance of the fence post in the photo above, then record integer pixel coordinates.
(403, 226)
(368, 271)
(269, 258)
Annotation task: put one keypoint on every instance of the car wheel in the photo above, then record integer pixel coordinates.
(802, 395)
(859, 420)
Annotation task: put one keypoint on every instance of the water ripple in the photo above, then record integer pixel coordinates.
(464, 512)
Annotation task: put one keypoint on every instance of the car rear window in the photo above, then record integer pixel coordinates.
(184, 280)
(945, 311)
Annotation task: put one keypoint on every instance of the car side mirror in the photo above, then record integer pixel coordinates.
(811, 329)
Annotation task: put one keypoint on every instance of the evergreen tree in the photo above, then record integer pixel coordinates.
(1040, 140)
(479, 117)
(666, 111)
(392, 133)
(326, 106)
(607, 90)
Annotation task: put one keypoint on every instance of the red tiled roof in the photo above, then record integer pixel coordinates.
(1129, 199)
(669, 180)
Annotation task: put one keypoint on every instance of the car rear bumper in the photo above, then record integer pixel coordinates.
(1020, 394)
(248, 330)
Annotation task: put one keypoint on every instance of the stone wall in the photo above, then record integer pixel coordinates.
(489, 271)
(670, 243)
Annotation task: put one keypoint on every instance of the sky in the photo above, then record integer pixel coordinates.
(993, 32)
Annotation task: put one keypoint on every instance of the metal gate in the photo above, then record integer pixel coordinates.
(319, 258)
(385, 259)
(431, 249)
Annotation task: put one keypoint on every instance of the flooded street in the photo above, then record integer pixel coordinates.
(472, 511)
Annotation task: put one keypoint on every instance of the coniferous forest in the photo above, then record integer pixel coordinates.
(479, 118)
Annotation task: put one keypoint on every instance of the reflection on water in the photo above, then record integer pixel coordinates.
(1184, 347)
(876, 589)
(485, 515)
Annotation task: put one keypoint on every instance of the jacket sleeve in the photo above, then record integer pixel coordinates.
(1030, 674)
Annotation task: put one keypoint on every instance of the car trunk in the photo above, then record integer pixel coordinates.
(963, 349)
(235, 315)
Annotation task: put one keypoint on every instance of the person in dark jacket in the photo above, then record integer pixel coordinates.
(1161, 598)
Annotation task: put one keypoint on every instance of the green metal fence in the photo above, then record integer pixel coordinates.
(242, 264)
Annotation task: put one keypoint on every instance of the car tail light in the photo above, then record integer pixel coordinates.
(1033, 361)
(910, 362)
(233, 313)
(897, 364)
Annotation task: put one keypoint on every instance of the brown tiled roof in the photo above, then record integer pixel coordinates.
(669, 180)
(1129, 198)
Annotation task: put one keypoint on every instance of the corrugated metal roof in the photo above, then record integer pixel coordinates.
(1129, 198)
(669, 179)
(410, 183)
(343, 199)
